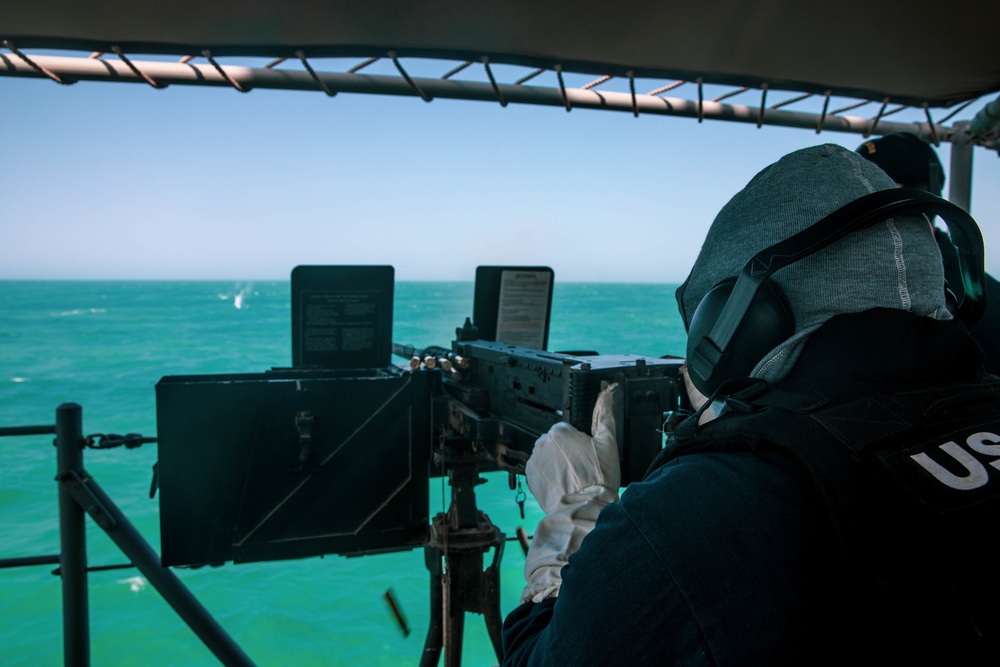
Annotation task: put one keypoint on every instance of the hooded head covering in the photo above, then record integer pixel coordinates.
(892, 264)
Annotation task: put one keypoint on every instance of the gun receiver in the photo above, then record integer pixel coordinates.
(506, 396)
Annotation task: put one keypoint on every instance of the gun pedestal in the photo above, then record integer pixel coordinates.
(454, 554)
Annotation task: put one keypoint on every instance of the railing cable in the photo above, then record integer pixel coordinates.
(878, 117)
(357, 68)
(225, 75)
(663, 89)
(935, 139)
(493, 82)
(701, 98)
(319, 82)
(793, 100)
(731, 93)
(956, 111)
(38, 68)
(529, 77)
(458, 69)
(631, 87)
(135, 70)
(596, 82)
(413, 84)
(562, 88)
(763, 105)
(822, 116)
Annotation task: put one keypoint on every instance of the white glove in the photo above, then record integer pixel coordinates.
(572, 476)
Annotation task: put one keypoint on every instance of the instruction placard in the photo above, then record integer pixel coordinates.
(522, 312)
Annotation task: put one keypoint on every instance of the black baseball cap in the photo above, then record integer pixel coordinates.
(907, 159)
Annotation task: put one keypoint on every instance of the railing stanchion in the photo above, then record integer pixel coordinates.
(72, 539)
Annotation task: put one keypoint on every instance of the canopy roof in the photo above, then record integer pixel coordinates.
(914, 53)
(918, 56)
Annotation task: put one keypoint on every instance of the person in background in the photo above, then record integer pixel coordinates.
(913, 163)
(766, 532)
(907, 159)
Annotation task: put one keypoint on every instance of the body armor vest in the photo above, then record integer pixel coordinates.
(911, 484)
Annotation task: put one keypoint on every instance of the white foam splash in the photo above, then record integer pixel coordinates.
(135, 584)
(242, 292)
(80, 311)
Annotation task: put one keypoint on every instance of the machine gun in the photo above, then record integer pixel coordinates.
(334, 455)
(506, 396)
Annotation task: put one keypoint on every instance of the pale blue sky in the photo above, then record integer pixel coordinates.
(121, 181)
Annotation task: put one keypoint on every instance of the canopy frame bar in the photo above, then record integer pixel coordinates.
(981, 131)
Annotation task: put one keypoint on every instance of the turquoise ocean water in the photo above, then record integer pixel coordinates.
(104, 345)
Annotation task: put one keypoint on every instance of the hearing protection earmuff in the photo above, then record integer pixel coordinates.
(741, 319)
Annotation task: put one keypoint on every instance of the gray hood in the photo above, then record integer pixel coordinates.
(893, 264)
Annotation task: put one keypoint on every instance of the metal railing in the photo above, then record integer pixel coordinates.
(79, 495)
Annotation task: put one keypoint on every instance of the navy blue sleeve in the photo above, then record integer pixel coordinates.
(521, 629)
(712, 560)
(615, 595)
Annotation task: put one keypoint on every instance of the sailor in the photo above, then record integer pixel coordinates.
(907, 159)
(830, 503)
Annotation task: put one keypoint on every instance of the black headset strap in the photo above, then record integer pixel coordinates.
(860, 213)
(935, 175)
